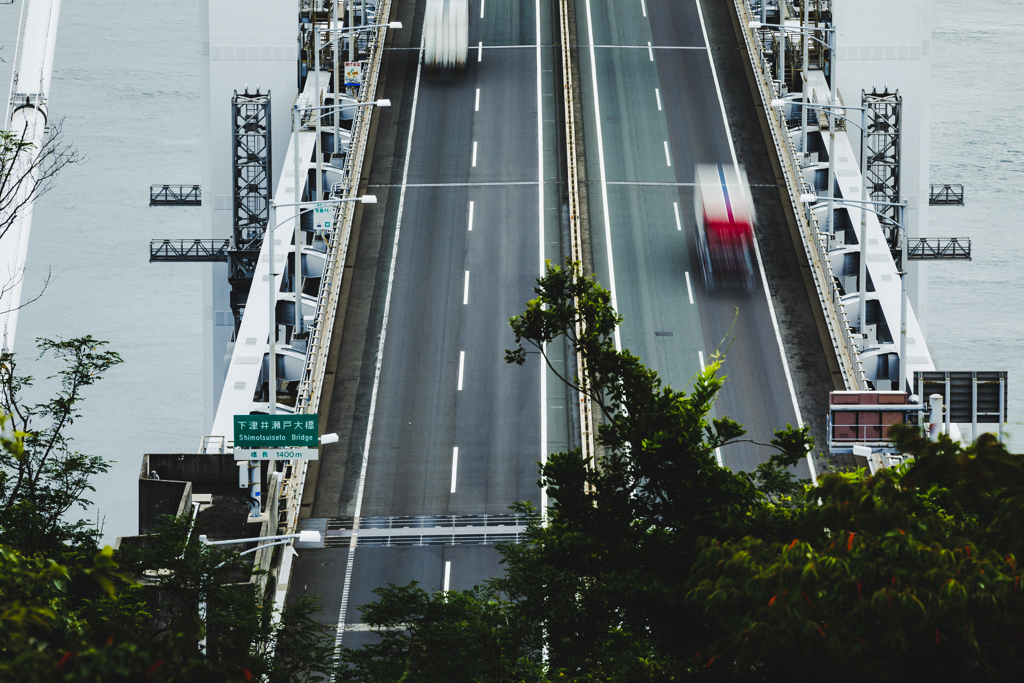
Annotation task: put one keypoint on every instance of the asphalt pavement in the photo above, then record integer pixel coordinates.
(469, 209)
(652, 111)
(432, 421)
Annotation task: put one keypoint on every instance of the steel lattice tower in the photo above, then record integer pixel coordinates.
(251, 187)
(883, 144)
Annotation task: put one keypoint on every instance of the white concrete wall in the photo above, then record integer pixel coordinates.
(243, 43)
(888, 42)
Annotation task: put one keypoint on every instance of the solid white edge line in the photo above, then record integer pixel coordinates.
(668, 159)
(462, 365)
(480, 51)
(447, 574)
(474, 153)
(650, 51)
(675, 209)
(689, 289)
(465, 291)
(476, 107)
(470, 217)
(604, 175)
(350, 561)
(757, 249)
(643, 6)
(540, 229)
(657, 96)
(455, 468)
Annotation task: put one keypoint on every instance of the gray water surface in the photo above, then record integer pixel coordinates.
(976, 309)
(126, 82)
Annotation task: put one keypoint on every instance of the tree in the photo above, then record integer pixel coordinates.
(27, 172)
(445, 637)
(603, 584)
(911, 572)
(41, 476)
(72, 612)
(131, 631)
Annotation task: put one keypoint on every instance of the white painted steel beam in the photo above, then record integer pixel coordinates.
(252, 341)
(26, 119)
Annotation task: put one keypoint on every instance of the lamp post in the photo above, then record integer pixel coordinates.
(832, 64)
(811, 198)
(296, 126)
(271, 289)
(306, 536)
(337, 82)
(863, 190)
(833, 95)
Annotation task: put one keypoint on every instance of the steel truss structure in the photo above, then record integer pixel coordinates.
(175, 195)
(939, 248)
(946, 195)
(883, 167)
(191, 251)
(251, 184)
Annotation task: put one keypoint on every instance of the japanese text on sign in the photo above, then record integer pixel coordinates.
(276, 431)
(353, 73)
(277, 454)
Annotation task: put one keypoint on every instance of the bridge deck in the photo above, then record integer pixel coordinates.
(438, 337)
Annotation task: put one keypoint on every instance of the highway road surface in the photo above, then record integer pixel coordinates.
(467, 176)
(435, 428)
(652, 111)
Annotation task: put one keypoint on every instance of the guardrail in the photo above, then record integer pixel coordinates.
(814, 241)
(319, 343)
(575, 229)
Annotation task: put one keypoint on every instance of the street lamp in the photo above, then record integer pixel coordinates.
(297, 125)
(337, 94)
(306, 536)
(272, 294)
(831, 61)
(351, 58)
(863, 184)
(811, 198)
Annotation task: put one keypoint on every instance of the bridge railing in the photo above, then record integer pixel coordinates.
(815, 242)
(319, 342)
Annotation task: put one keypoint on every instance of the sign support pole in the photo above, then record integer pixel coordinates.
(272, 310)
(974, 406)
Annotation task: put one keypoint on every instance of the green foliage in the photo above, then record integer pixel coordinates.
(41, 476)
(655, 564)
(444, 638)
(72, 612)
(604, 579)
(909, 572)
(130, 631)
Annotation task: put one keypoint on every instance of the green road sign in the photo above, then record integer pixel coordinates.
(323, 216)
(276, 432)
